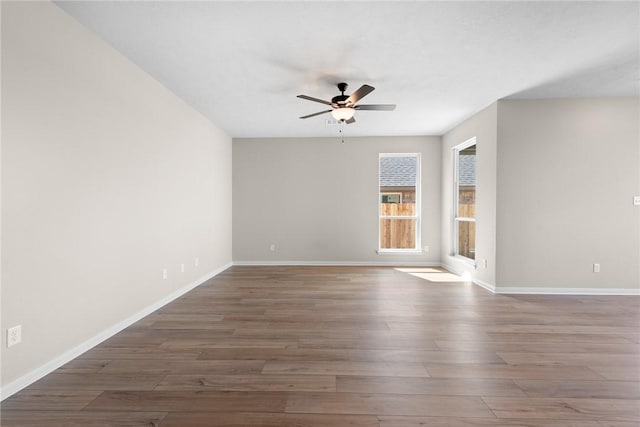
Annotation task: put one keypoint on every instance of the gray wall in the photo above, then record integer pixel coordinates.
(107, 178)
(316, 199)
(567, 174)
(483, 126)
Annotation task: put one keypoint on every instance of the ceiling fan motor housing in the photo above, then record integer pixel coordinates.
(339, 100)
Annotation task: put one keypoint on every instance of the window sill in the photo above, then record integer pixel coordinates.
(399, 251)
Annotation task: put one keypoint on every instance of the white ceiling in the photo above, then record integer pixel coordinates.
(241, 64)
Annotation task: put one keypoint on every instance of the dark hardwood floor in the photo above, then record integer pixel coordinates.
(353, 346)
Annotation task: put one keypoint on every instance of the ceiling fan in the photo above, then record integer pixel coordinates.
(344, 106)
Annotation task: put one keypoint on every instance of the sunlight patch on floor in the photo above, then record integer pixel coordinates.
(420, 270)
(433, 274)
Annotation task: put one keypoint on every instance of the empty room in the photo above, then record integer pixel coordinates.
(320, 213)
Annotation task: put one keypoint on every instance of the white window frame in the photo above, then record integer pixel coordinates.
(456, 194)
(418, 210)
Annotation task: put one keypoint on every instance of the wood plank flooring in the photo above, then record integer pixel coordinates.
(353, 346)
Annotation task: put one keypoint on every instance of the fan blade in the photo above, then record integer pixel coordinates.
(359, 94)
(351, 120)
(310, 98)
(377, 107)
(315, 114)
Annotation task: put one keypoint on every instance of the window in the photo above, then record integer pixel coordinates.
(399, 202)
(465, 199)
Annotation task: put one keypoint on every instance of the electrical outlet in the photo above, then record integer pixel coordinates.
(196, 262)
(272, 248)
(485, 263)
(636, 200)
(164, 273)
(181, 268)
(596, 268)
(14, 336)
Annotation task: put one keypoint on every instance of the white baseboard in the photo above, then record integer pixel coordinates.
(565, 291)
(33, 376)
(486, 285)
(338, 263)
(542, 290)
(450, 268)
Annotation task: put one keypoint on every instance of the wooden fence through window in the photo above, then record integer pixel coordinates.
(397, 233)
(467, 229)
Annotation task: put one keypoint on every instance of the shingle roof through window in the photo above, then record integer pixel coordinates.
(398, 171)
(467, 170)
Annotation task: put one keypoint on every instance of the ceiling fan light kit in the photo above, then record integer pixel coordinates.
(343, 114)
(344, 106)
